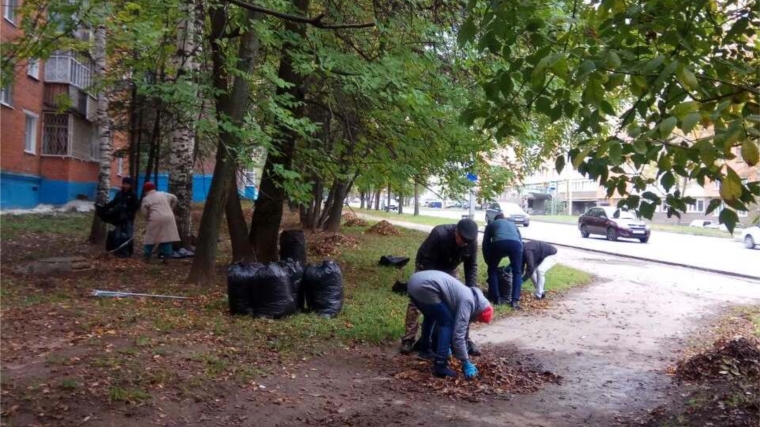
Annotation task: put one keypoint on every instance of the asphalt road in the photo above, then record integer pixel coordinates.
(721, 254)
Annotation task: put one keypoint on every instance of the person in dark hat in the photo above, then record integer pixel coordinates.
(444, 249)
(125, 201)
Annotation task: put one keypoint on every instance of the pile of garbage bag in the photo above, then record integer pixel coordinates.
(279, 289)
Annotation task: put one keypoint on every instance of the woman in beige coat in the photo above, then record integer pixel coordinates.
(161, 227)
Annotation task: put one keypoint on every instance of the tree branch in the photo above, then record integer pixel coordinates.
(315, 22)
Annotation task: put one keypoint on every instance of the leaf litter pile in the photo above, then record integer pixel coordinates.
(384, 228)
(500, 375)
(331, 244)
(738, 357)
(352, 220)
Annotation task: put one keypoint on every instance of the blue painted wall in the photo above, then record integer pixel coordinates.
(18, 191)
(201, 185)
(250, 193)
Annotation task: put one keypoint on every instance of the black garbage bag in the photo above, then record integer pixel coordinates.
(393, 261)
(293, 245)
(399, 287)
(239, 282)
(505, 284)
(270, 292)
(323, 288)
(119, 241)
(295, 272)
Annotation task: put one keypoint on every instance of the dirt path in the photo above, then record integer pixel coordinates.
(612, 341)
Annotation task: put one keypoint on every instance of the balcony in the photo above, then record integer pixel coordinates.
(65, 97)
(69, 68)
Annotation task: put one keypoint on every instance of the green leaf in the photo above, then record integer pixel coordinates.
(729, 218)
(653, 64)
(731, 186)
(580, 157)
(640, 146)
(607, 108)
(594, 93)
(714, 204)
(613, 60)
(666, 126)
(749, 152)
(467, 32)
(559, 164)
(586, 67)
(616, 152)
(668, 180)
(687, 78)
(689, 121)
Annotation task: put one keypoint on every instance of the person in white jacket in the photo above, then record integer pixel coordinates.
(450, 306)
(161, 227)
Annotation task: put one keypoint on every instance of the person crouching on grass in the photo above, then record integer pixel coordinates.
(449, 305)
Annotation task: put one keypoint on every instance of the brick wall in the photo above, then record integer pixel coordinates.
(27, 95)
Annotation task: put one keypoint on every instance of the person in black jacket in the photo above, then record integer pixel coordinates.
(121, 212)
(445, 248)
(538, 258)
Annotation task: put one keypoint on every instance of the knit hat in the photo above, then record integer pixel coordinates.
(126, 180)
(148, 186)
(468, 230)
(486, 315)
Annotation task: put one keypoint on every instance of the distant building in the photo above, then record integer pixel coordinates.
(49, 152)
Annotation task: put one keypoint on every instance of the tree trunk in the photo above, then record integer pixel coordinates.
(332, 223)
(231, 104)
(133, 146)
(98, 230)
(327, 207)
(241, 247)
(267, 214)
(153, 153)
(377, 199)
(416, 198)
(362, 195)
(389, 197)
(183, 135)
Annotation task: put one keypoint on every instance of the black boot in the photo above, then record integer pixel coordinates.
(441, 369)
(516, 305)
(471, 349)
(406, 347)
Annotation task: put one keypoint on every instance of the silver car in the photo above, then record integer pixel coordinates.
(511, 211)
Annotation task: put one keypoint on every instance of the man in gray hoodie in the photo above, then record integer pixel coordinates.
(449, 305)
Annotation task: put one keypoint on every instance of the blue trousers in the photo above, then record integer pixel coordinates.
(164, 249)
(498, 250)
(440, 317)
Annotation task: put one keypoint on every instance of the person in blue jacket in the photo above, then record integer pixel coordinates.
(502, 239)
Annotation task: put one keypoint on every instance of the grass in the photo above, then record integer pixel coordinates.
(61, 223)
(419, 219)
(187, 343)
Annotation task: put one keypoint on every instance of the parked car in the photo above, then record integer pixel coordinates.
(511, 211)
(435, 204)
(704, 223)
(751, 236)
(613, 223)
(391, 208)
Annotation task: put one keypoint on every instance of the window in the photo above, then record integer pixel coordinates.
(697, 207)
(33, 68)
(70, 68)
(55, 134)
(9, 10)
(6, 95)
(120, 166)
(30, 136)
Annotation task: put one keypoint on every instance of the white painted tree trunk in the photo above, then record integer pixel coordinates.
(103, 125)
(183, 135)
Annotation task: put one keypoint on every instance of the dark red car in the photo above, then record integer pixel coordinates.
(613, 223)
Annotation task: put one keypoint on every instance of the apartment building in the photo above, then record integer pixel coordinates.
(49, 151)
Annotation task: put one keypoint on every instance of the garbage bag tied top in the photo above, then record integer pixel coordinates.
(239, 282)
(271, 292)
(295, 272)
(323, 288)
(293, 246)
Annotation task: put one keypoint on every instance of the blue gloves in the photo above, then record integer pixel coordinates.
(469, 370)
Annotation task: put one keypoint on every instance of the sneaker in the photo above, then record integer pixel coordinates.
(426, 355)
(472, 350)
(516, 305)
(441, 369)
(406, 347)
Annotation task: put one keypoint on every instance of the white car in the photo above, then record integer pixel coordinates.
(751, 236)
(704, 223)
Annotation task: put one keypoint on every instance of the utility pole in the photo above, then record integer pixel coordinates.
(569, 197)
